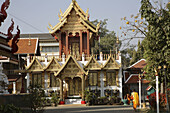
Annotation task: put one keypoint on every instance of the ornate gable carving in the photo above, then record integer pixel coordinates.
(35, 66)
(111, 64)
(53, 65)
(73, 19)
(70, 69)
(93, 64)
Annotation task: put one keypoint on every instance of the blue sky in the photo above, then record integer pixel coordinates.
(37, 13)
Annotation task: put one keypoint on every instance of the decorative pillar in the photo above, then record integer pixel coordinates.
(63, 58)
(28, 76)
(46, 58)
(157, 90)
(88, 44)
(66, 42)
(101, 56)
(140, 91)
(83, 89)
(61, 92)
(60, 46)
(14, 87)
(81, 42)
(83, 57)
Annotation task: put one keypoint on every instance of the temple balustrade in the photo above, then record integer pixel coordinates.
(77, 57)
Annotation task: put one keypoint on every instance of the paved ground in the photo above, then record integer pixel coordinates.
(90, 109)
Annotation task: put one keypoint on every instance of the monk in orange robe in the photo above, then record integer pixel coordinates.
(135, 98)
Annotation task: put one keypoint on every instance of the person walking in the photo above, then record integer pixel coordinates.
(135, 98)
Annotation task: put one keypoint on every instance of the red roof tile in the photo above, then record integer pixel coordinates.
(140, 64)
(26, 46)
(134, 79)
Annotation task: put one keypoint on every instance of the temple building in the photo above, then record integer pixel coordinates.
(73, 67)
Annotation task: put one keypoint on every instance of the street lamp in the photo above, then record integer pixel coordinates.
(141, 78)
(164, 75)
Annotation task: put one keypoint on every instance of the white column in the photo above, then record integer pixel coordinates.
(83, 57)
(28, 81)
(140, 93)
(46, 58)
(119, 58)
(157, 93)
(28, 76)
(45, 75)
(46, 79)
(120, 83)
(102, 83)
(14, 87)
(63, 58)
(101, 56)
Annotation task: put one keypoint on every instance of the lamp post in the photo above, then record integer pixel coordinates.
(141, 78)
(157, 90)
(165, 75)
(139, 90)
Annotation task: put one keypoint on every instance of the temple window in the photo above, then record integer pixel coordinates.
(111, 78)
(93, 79)
(54, 82)
(37, 79)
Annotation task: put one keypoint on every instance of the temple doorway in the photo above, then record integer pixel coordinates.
(75, 49)
(74, 86)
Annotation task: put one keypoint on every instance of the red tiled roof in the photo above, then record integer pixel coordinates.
(26, 46)
(140, 64)
(126, 75)
(134, 79)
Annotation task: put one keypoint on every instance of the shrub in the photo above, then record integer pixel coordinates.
(55, 99)
(9, 108)
(37, 98)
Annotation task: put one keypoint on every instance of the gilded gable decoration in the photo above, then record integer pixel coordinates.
(111, 64)
(53, 65)
(93, 64)
(35, 66)
(83, 19)
(71, 68)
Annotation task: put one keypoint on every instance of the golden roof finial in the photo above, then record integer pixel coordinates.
(73, 1)
(59, 17)
(61, 12)
(29, 42)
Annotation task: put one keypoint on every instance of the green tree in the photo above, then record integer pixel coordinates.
(157, 41)
(107, 38)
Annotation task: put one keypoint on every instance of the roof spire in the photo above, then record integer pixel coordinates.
(73, 1)
(29, 42)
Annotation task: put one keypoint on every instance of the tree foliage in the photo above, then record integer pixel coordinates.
(157, 41)
(37, 98)
(107, 39)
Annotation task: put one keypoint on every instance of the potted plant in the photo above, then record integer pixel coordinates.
(88, 97)
(54, 99)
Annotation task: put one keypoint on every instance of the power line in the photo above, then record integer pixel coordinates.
(26, 23)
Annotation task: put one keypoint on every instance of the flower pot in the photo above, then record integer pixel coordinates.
(125, 101)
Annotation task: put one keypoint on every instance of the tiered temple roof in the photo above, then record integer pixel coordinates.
(84, 19)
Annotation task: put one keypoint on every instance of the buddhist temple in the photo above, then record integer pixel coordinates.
(75, 68)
